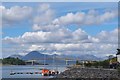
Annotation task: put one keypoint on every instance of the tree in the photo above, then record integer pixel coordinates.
(13, 61)
(77, 62)
(88, 64)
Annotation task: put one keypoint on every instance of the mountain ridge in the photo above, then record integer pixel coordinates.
(36, 55)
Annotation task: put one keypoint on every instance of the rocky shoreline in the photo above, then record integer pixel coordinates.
(89, 74)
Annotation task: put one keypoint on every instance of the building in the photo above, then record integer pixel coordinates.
(118, 55)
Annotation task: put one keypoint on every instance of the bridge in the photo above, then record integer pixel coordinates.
(65, 59)
(31, 61)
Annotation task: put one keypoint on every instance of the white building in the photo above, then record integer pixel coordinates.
(118, 55)
(118, 58)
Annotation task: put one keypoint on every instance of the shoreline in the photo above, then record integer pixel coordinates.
(89, 73)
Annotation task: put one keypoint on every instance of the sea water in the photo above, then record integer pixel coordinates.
(6, 70)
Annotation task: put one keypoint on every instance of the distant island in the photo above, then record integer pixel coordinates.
(12, 61)
(17, 61)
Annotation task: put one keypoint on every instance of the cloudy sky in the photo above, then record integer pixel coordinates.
(60, 28)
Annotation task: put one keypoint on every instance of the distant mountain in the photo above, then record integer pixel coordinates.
(39, 56)
(82, 57)
(16, 56)
(35, 55)
(89, 57)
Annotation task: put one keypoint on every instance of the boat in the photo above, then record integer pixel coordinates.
(47, 72)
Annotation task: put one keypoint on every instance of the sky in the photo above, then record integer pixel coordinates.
(62, 28)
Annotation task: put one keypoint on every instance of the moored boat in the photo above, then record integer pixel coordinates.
(47, 72)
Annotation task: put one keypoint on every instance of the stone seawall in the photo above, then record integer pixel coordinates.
(90, 73)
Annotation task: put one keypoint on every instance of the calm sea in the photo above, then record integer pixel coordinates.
(28, 68)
